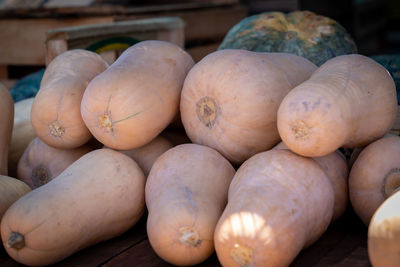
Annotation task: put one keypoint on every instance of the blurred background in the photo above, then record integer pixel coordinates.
(27, 27)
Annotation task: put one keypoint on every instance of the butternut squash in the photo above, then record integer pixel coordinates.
(230, 99)
(6, 126)
(335, 168)
(56, 116)
(146, 155)
(137, 97)
(384, 234)
(22, 134)
(11, 190)
(99, 196)
(186, 193)
(349, 101)
(374, 176)
(272, 213)
(41, 163)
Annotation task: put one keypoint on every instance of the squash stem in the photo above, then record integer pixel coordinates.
(16, 241)
(242, 255)
(189, 236)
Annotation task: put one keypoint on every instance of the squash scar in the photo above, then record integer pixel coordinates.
(16, 241)
(189, 236)
(207, 110)
(391, 182)
(56, 129)
(300, 129)
(40, 175)
(242, 255)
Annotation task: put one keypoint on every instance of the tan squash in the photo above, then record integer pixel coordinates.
(384, 234)
(146, 155)
(11, 190)
(41, 163)
(137, 97)
(186, 193)
(335, 168)
(22, 134)
(374, 176)
(6, 126)
(56, 116)
(99, 196)
(272, 213)
(230, 99)
(349, 101)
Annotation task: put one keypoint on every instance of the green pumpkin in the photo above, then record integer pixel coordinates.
(303, 33)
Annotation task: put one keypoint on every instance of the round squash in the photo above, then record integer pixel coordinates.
(374, 176)
(11, 190)
(384, 234)
(137, 97)
(230, 99)
(99, 196)
(146, 155)
(22, 134)
(186, 193)
(6, 126)
(41, 163)
(337, 171)
(304, 33)
(349, 101)
(278, 204)
(56, 116)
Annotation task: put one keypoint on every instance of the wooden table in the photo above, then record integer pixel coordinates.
(344, 244)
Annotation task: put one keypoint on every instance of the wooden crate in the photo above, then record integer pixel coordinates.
(110, 39)
(23, 27)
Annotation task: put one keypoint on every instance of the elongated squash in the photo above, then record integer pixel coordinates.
(22, 134)
(374, 176)
(6, 125)
(11, 190)
(278, 204)
(335, 168)
(349, 101)
(230, 99)
(99, 196)
(56, 115)
(137, 97)
(146, 155)
(384, 234)
(41, 163)
(186, 193)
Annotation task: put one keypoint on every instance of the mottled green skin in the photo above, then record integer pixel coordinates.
(392, 63)
(303, 33)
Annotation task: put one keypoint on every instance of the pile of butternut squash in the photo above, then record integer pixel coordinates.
(95, 151)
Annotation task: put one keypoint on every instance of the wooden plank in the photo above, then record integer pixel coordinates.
(64, 3)
(204, 24)
(3, 72)
(54, 48)
(198, 52)
(110, 8)
(23, 41)
(143, 255)
(20, 4)
(126, 27)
